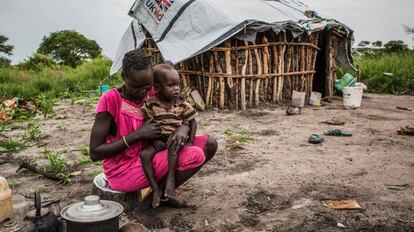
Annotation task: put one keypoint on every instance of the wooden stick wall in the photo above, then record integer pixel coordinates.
(241, 75)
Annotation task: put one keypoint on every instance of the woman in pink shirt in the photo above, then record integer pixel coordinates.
(119, 133)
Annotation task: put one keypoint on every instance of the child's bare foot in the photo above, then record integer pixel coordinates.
(170, 187)
(156, 196)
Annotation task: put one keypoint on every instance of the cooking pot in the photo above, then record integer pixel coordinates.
(92, 215)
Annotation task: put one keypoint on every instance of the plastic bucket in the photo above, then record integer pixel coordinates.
(103, 88)
(315, 99)
(352, 96)
(298, 98)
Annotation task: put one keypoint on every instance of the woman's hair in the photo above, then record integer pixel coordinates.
(137, 60)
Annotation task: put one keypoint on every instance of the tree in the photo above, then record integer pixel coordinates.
(408, 30)
(69, 48)
(4, 61)
(6, 49)
(363, 43)
(37, 62)
(395, 46)
(377, 43)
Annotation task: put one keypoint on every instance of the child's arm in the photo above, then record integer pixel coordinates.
(193, 130)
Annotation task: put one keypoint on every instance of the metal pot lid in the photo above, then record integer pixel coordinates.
(92, 209)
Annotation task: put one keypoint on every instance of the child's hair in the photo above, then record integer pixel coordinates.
(159, 71)
(137, 60)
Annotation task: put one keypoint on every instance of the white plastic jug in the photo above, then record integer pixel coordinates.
(352, 96)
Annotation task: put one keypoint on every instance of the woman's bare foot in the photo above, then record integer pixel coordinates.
(149, 218)
(156, 196)
(170, 187)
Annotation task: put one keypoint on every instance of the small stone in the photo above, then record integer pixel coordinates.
(62, 116)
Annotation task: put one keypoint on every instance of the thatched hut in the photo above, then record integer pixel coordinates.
(239, 54)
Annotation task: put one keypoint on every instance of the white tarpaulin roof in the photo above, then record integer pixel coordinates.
(184, 28)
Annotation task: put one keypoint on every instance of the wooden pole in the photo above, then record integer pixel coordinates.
(210, 84)
(203, 89)
(250, 65)
(302, 68)
(237, 82)
(243, 80)
(328, 55)
(288, 69)
(276, 69)
(282, 68)
(266, 57)
(221, 80)
(315, 54)
(229, 70)
(259, 72)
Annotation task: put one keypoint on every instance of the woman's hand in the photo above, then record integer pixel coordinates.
(179, 137)
(148, 130)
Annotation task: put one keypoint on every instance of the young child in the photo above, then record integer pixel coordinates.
(171, 111)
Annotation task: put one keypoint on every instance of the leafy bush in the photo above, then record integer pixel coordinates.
(387, 73)
(37, 62)
(56, 81)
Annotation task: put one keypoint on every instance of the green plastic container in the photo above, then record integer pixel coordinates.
(345, 81)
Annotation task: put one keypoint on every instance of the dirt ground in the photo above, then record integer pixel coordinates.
(265, 176)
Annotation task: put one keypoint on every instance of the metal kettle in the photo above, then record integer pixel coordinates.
(42, 223)
(47, 222)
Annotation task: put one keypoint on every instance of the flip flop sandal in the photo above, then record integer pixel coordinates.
(337, 132)
(315, 139)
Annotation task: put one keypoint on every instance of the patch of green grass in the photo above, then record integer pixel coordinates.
(62, 126)
(11, 145)
(238, 134)
(32, 132)
(13, 183)
(94, 173)
(46, 102)
(84, 157)
(228, 132)
(41, 188)
(269, 132)
(241, 138)
(4, 127)
(56, 164)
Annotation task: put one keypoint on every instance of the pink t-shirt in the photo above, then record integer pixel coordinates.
(128, 117)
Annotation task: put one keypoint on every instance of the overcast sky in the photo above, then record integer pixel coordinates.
(25, 22)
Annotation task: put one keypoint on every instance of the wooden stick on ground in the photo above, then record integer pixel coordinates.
(33, 169)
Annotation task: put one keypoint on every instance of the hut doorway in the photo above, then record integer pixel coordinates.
(322, 60)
